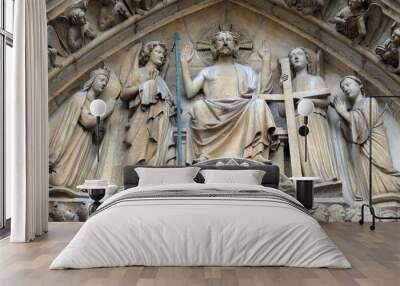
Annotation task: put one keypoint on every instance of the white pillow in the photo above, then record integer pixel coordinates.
(248, 177)
(166, 176)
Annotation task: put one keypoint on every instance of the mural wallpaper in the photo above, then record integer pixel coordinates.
(244, 67)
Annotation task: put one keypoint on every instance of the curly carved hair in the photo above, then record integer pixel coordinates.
(364, 3)
(144, 56)
(73, 14)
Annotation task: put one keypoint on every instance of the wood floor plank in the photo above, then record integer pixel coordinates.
(375, 257)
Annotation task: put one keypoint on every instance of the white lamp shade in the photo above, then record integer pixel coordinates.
(98, 107)
(305, 107)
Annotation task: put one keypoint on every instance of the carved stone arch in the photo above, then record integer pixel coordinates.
(355, 58)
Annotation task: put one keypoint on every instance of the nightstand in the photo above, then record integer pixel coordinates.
(305, 190)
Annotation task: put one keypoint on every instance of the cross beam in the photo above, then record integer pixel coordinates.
(288, 98)
(290, 119)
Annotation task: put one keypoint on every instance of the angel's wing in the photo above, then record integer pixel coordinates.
(54, 42)
(60, 26)
(376, 23)
(130, 63)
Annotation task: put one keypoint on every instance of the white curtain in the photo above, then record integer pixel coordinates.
(27, 124)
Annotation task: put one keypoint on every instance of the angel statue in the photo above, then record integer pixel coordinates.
(351, 20)
(230, 120)
(71, 150)
(149, 139)
(389, 51)
(356, 125)
(321, 162)
(80, 32)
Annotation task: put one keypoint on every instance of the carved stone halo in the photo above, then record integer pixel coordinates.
(203, 44)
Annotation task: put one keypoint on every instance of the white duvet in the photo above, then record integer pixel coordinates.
(202, 231)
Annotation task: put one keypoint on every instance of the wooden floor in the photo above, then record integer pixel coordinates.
(375, 257)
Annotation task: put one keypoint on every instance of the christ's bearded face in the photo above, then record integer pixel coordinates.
(224, 44)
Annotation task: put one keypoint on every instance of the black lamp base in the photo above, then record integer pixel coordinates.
(304, 193)
(96, 195)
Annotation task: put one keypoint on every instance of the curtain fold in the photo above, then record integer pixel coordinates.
(27, 124)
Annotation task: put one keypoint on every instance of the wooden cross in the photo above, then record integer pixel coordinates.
(288, 98)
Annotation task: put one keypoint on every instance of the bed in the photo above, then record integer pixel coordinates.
(201, 224)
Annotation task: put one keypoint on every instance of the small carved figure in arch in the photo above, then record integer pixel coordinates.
(306, 7)
(351, 20)
(389, 51)
(112, 12)
(80, 32)
(140, 7)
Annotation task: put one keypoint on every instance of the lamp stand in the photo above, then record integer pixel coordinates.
(303, 131)
(97, 138)
(370, 203)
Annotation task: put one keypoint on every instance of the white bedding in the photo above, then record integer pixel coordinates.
(188, 231)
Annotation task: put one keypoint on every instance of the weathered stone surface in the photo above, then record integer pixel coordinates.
(261, 22)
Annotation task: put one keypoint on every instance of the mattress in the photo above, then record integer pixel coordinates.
(201, 225)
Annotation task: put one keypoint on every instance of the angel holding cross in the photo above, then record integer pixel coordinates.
(230, 120)
(321, 161)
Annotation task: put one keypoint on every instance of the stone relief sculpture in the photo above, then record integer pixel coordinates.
(80, 31)
(111, 13)
(54, 47)
(140, 7)
(149, 138)
(389, 51)
(71, 149)
(386, 180)
(321, 161)
(307, 7)
(229, 121)
(351, 20)
(336, 213)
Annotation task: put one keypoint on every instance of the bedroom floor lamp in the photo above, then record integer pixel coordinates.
(96, 188)
(370, 204)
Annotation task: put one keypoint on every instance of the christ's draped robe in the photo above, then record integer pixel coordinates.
(149, 138)
(321, 160)
(384, 177)
(228, 121)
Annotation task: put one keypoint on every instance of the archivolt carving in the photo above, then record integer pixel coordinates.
(389, 51)
(307, 7)
(120, 28)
